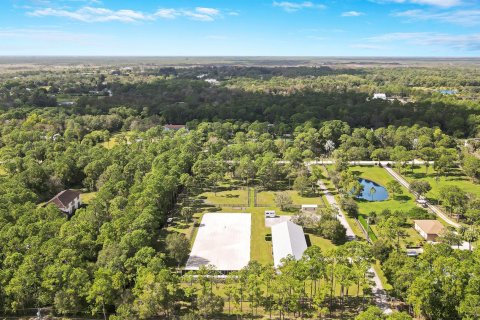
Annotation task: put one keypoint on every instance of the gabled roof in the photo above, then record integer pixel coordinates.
(288, 239)
(430, 226)
(62, 199)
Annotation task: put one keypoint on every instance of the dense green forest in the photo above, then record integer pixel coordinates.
(101, 130)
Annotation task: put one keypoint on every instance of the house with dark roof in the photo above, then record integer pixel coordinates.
(67, 201)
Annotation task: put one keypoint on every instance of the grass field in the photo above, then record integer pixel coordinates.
(267, 197)
(404, 202)
(2, 171)
(456, 178)
(230, 197)
(87, 197)
(110, 143)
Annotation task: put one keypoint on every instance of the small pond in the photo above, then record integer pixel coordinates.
(372, 191)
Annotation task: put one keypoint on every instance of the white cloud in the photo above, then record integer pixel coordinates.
(460, 17)
(436, 3)
(352, 14)
(167, 13)
(466, 42)
(208, 11)
(295, 6)
(199, 13)
(96, 14)
(91, 14)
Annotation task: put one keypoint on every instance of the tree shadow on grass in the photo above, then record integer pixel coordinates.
(402, 198)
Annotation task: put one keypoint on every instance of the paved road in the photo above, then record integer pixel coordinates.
(435, 209)
(341, 215)
(380, 295)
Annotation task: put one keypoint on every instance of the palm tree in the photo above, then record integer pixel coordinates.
(372, 192)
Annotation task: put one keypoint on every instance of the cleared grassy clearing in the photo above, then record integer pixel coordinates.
(268, 197)
(455, 178)
(226, 197)
(87, 197)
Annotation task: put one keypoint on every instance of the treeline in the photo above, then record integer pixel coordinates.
(180, 101)
(289, 95)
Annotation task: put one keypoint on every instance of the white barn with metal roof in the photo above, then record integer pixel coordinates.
(287, 239)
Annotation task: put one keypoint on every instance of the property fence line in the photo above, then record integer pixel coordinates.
(365, 233)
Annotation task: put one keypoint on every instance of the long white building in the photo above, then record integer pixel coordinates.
(287, 239)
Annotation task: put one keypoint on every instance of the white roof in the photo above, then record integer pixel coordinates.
(288, 239)
(223, 240)
(380, 96)
(309, 205)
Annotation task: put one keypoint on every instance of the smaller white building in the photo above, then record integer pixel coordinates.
(381, 96)
(309, 207)
(287, 239)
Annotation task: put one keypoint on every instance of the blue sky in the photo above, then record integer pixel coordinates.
(241, 27)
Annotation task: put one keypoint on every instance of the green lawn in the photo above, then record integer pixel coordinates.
(267, 197)
(2, 171)
(404, 202)
(456, 178)
(230, 197)
(86, 198)
(111, 143)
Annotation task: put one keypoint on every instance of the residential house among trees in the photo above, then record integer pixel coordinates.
(67, 201)
(429, 229)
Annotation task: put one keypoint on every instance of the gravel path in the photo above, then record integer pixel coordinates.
(381, 296)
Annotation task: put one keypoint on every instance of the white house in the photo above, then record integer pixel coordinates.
(287, 239)
(309, 207)
(67, 201)
(381, 96)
